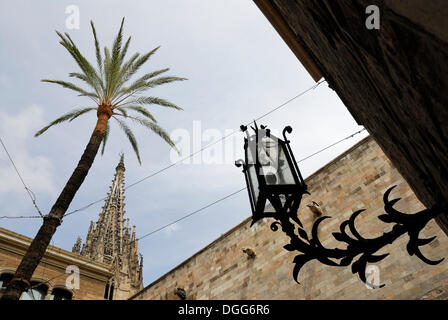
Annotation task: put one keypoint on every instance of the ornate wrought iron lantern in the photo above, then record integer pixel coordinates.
(273, 178)
(276, 187)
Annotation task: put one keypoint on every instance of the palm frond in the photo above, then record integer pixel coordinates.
(80, 112)
(73, 87)
(152, 100)
(156, 129)
(115, 62)
(113, 78)
(139, 63)
(94, 79)
(107, 71)
(97, 50)
(142, 85)
(121, 77)
(122, 110)
(148, 76)
(66, 117)
(145, 85)
(81, 77)
(130, 136)
(139, 82)
(125, 50)
(116, 47)
(106, 61)
(142, 111)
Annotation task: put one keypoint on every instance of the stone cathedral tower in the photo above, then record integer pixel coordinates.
(112, 242)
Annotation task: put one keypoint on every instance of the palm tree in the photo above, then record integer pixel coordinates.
(113, 96)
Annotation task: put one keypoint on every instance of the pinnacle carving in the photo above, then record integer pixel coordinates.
(77, 246)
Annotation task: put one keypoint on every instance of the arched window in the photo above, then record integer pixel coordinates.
(37, 292)
(111, 293)
(109, 290)
(60, 294)
(106, 291)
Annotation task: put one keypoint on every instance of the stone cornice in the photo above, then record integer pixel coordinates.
(57, 257)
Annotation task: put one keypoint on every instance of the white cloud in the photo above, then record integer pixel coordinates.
(16, 132)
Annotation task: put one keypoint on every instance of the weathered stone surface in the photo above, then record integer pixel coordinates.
(52, 269)
(223, 271)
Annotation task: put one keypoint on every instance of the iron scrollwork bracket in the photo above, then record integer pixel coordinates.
(311, 248)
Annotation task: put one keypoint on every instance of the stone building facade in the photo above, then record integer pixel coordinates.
(52, 271)
(251, 263)
(113, 243)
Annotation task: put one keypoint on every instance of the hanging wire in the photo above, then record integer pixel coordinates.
(20, 217)
(192, 213)
(203, 148)
(238, 191)
(217, 201)
(228, 135)
(28, 190)
(331, 145)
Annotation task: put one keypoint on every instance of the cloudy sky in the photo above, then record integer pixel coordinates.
(238, 69)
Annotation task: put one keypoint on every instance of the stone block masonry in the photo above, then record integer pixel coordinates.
(356, 179)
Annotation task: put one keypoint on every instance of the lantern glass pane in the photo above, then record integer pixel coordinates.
(269, 208)
(252, 175)
(273, 161)
(251, 150)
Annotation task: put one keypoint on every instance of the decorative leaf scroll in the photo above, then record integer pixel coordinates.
(356, 245)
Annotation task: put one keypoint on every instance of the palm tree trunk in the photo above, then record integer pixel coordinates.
(30, 261)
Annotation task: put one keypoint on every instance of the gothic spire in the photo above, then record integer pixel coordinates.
(111, 240)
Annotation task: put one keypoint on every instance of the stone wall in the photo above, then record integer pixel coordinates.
(356, 179)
